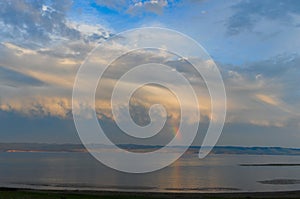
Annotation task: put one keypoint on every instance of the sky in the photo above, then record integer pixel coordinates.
(255, 45)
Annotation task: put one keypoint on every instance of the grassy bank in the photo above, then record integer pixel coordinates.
(45, 194)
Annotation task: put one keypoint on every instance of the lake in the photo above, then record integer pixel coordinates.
(215, 173)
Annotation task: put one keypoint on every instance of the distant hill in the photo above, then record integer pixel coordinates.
(34, 147)
(255, 150)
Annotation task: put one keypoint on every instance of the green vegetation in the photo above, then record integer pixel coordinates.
(57, 195)
(43, 194)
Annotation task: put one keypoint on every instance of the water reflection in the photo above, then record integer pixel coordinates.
(212, 174)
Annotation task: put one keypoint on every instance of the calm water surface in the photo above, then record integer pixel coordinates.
(215, 173)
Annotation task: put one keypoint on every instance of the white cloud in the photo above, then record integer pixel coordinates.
(152, 6)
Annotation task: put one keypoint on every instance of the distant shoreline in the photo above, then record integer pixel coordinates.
(47, 194)
(79, 148)
(271, 165)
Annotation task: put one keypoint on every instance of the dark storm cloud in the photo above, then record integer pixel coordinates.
(248, 13)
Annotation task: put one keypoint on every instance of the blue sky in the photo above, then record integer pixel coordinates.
(254, 43)
(234, 32)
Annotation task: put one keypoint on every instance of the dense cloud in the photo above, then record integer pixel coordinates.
(40, 24)
(35, 21)
(256, 94)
